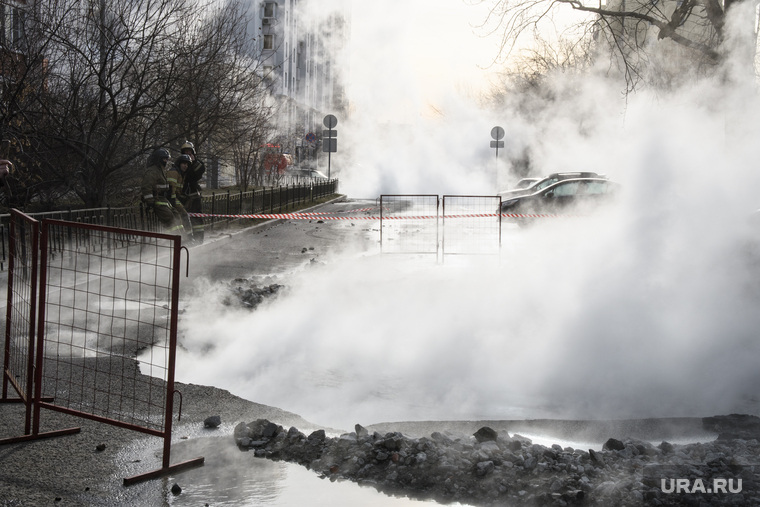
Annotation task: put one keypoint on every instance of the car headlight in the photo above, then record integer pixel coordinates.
(509, 203)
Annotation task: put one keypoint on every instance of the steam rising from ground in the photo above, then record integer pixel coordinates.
(647, 311)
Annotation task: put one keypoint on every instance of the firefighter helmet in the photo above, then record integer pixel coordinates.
(183, 158)
(159, 157)
(187, 146)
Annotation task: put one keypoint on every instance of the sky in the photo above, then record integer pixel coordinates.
(417, 54)
(649, 310)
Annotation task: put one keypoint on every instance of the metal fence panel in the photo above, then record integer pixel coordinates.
(108, 294)
(20, 320)
(471, 225)
(409, 224)
(105, 295)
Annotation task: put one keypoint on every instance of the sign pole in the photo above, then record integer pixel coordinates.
(330, 121)
(497, 134)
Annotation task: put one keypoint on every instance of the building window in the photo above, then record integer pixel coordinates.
(270, 9)
(269, 42)
(11, 25)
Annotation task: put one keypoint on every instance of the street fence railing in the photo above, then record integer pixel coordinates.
(264, 200)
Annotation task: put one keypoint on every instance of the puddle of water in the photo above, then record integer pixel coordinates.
(231, 477)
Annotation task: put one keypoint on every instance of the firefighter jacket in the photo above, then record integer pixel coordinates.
(155, 188)
(176, 184)
(192, 178)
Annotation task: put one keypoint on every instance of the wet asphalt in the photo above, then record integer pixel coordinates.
(279, 245)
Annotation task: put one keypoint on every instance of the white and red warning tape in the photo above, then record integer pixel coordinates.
(321, 216)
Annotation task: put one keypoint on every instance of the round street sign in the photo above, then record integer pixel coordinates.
(330, 121)
(497, 133)
(311, 137)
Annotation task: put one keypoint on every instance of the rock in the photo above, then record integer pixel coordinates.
(453, 468)
(485, 434)
(613, 444)
(213, 421)
(596, 457)
(316, 437)
(249, 295)
(294, 434)
(241, 431)
(270, 430)
(361, 431)
(490, 446)
(100, 447)
(484, 468)
(391, 441)
(176, 490)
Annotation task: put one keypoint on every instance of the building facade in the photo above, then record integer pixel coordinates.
(300, 54)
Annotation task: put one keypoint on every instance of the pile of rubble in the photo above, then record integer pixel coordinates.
(247, 293)
(492, 469)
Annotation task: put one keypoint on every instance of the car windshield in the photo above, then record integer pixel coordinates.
(544, 183)
(525, 183)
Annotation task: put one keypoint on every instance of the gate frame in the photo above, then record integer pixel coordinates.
(443, 221)
(437, 217)
(27, 398)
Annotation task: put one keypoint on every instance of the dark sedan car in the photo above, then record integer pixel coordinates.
(567, 197)
(541, 183)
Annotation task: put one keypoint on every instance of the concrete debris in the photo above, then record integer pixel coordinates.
(485, 434)
(247, 294)
(511, 470)
(213, 421)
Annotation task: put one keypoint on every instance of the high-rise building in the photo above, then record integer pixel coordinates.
(300, 53)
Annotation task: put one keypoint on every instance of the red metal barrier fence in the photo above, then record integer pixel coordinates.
(20, 320)
(106, 294)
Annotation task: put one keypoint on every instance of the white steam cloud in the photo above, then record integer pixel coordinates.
(647, 311)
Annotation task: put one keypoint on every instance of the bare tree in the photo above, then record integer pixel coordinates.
(528, 89)
(628, 29)
(249, 139)
(99, 84)
(225, 97)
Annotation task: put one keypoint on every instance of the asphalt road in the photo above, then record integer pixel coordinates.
(280, 245)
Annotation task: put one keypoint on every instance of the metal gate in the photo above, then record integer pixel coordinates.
(105, 295)
(471, 225)
(409, 224)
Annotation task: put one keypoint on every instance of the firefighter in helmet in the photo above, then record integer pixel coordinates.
(155, 191)
(175, 177)
(191, 189)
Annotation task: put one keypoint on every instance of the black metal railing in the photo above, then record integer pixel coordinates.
(260, 201)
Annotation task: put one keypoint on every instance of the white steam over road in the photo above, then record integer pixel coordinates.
(650, 311)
